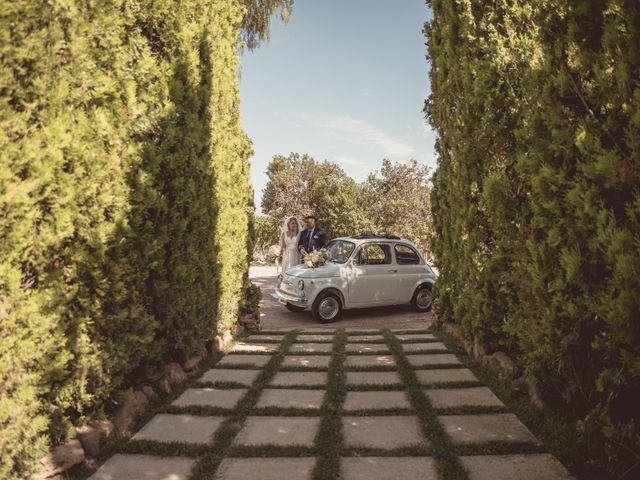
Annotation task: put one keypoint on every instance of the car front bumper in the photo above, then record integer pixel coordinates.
(285, 297)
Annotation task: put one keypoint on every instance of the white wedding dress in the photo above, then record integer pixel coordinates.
(290, 255)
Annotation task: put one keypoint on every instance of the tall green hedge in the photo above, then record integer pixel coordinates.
(536, 199)
(124, 201)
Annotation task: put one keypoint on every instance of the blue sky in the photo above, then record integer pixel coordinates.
(344, 80)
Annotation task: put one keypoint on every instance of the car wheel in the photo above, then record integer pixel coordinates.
(294, 308)
(327, 308)
(422, 298)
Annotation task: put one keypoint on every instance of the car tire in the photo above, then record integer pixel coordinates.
(294, 308)
(422, 298)
(327, 308)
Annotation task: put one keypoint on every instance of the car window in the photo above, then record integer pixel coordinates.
(406, 255)
(374, 254)
(339, 251)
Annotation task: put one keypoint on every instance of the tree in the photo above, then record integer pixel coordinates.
(293, 183)
(397, 199)
(536, 200)
(125, 202)
(257, 17)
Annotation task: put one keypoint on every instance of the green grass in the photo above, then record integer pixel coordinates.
(552, 426)
(222, 441)
(329, 438)
(448, 464)
(329, 445)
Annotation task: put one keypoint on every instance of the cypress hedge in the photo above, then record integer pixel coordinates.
(536, 200)
(125, 201)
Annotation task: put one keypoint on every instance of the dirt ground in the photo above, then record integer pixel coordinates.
(276, 317)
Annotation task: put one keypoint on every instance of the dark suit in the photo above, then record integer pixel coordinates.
(317, 241)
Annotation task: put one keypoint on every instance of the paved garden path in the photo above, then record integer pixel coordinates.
(354, 405)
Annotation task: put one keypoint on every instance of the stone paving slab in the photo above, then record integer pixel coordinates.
(369, 361)
(387, 432)
(266, 469)
(265, 338)
(514, 467)
(444, 375)
(373, 378)
(238, 359)
(463, 397)
(309, 361)
(286, 398)
(311, 348)
(414, 336)
(295, 379)
(166, 427)
(221, 375)
(495, 427)
(255, 347)
(211, 397)
(281, 431)
(291, 379)
(144, 467)
(366, 338)
(418, 360)
(385, 468)
(375, 400)
(366, 348)
(314, 338)
(423, 347)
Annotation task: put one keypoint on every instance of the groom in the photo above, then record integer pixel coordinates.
(313, 238)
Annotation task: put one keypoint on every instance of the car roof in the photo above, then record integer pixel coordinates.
(360, 241)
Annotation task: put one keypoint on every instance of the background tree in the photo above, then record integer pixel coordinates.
(391, 200)
(395, 200)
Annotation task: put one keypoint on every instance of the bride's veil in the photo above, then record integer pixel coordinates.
(285, 225)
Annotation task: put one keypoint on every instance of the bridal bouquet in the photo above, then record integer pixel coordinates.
(316, 259)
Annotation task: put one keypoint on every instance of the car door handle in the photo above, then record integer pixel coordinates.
(393, 271)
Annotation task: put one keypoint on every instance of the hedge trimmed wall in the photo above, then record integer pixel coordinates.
(124, 201)
(536, 199)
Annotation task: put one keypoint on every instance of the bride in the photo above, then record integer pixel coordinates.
(289, 243)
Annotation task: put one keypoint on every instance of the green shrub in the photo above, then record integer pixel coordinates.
(124, 196)
(536, 199)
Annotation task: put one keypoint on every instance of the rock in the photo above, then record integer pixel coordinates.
(126, 413)
(60, 459)
(478, 349)
(93, 434)
(192, 363)
(90, 438)
(174, 373)
(221, 342)
(164, 385)
(149, 392)
(535, 392)
(500, 362)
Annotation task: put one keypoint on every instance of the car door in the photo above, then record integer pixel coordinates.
(371, 276)
(410, 269)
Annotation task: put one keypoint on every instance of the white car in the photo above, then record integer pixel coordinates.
(362, 271)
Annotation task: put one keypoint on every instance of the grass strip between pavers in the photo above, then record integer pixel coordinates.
(206, 467)
(552, 427)
(441, 447)
(329, 440)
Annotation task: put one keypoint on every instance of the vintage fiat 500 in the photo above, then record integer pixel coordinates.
(362, 271)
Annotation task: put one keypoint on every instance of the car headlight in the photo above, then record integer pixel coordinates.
(301, 285)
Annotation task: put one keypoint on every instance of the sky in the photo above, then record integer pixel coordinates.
(343, 80)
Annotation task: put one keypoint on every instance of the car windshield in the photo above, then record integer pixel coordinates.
(339, 251)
